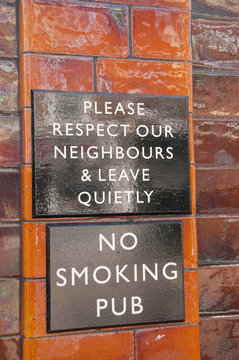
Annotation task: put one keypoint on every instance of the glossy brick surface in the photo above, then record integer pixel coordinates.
(181, 4)
(215, 43)
(8, 86)
(217, 191)
(144, 77)
(160, 34)
(216, 142)
(34, 305)
(50, 72)
(93, 29)
(10, 348)
(107, 346)
(218, 290)
(218, 240)
(9, 141)
(8, 38)
(10, 250)
(216, 8)
(34, 250)
(9, 306)
(9, 194)
(225, 90)
(173, 342)
(219, 338)
(26, 136)
(26, 192)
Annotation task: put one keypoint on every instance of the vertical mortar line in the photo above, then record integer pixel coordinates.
(134, 346)
(130, 31)
(95, 79)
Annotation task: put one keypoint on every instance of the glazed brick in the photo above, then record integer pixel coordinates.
(216, 142)
(9, 141)
(218, 240)
(9, 194)
(161, 34)
(191, 296)
(26, 192)
(217, 191)
(174, 342)
(82, 28)
(189, 243)
(215, 43)
(34, 305)
(222, 8)
(193, 188)
(9, 306)
(107, 346)
(225, 90)
(26, 136)
(51, 72)
(8, 38)
(180, 4)
(8, 86)
(218, 290)
(10, 250)
(219, 338)
(10, 348)
(144, 77)
(34, 250)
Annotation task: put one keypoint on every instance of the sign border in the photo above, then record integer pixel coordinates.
(34, 216)
(48, 273)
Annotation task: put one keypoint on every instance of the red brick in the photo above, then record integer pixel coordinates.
(219, 338)
(107, 346)
(189, 243)
(8, 86)
(10, 250)
(161, 34)
(51, 72)
(225, 90)
(191, 296)
(9, 306)
(181, 4)
(82, 28)
(34, 250)
(216, 142)
(215, 43)
(174, 342)
(26, 136)
(8, 38)
(218, 240)
(144, 77)
(9, 194)
(26, 192)
(222, 8)
(10, 348)
(218, 290)
(217, 191)
(9, 141)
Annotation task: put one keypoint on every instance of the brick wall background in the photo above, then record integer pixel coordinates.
(132, 46)
(10, 264)
(125, 46)
(215, 39)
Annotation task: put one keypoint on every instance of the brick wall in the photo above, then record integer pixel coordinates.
(127, 46)
(215, 29)
(10, 268)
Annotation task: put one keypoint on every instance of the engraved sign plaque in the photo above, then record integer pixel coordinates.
(100, 154)
(103, 275)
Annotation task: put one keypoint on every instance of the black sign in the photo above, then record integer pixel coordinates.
(114, 274)
(109, 154)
